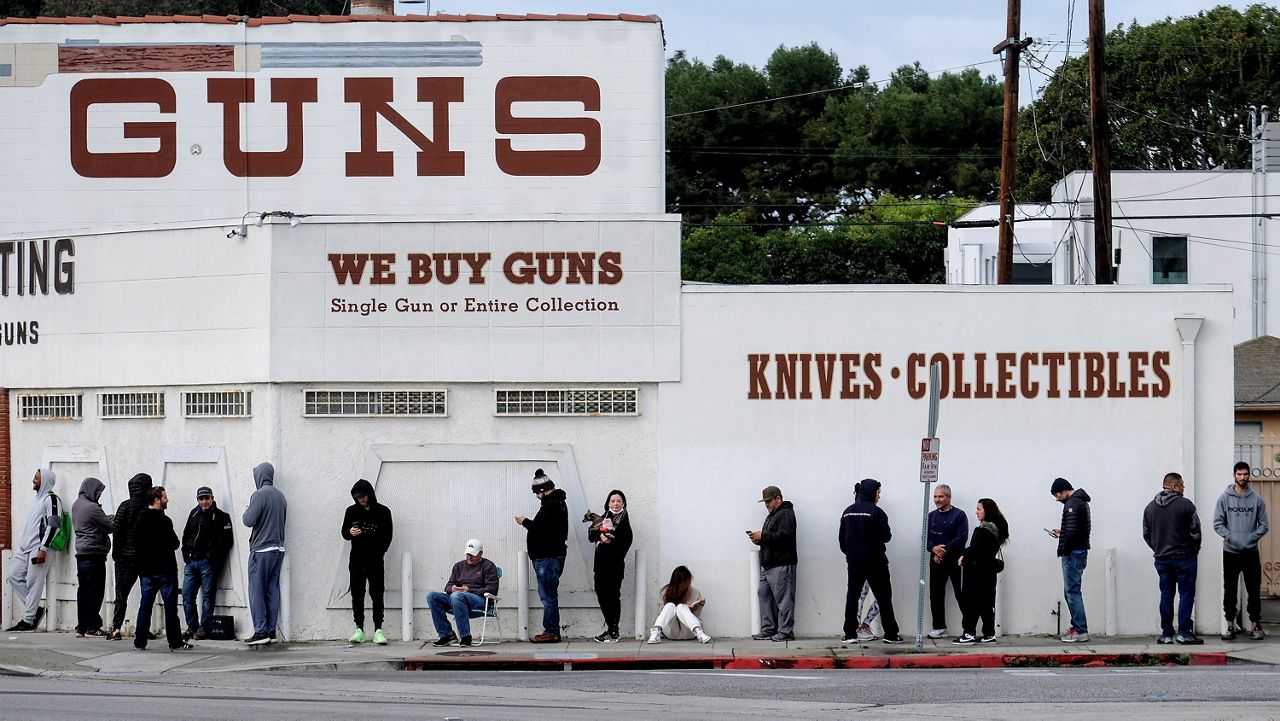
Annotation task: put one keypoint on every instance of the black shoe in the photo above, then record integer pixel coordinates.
(1164, 640)
(779, 637)
(115, 635)
(1189, 640)
(20, 627)
(271, 637)
(200, 636)
(607, 637)
(39, 615)
(258, 639)
(762, 636)
(95, 632)
(464, 641)
(151, 636)
(182, 647)
(446, 640)
(187, 634)
(892, 639)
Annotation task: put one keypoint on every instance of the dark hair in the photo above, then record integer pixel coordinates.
(1172, 479)
(615, 492)
(1242, 466)
(154, 494)
(677, 589)
(991, 512)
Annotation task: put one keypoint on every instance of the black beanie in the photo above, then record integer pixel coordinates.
(1060, 485)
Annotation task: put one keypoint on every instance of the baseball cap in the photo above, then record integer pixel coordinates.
(769, 493)
(474, 547)
(204, 492)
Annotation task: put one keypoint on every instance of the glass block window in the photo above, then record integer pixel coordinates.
(146, 404)
(51, 407)
(375, 403)
(566, 402)
(217, 404)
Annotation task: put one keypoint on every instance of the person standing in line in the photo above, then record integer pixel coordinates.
(123, 552)
(981, 567)
(548, 531)
(266, 517)
(367, 524)
(155, 542)
(1241, 519)
(1171, 528)
(206, 541)
(864, 531)
(30, 563)
(93, 541)
(613, 541)
(778, 559)
(1073, 550)
(948, 527)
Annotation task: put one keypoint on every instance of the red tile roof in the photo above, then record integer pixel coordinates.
(255, 22)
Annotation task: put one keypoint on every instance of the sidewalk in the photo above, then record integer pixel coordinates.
(63, 653)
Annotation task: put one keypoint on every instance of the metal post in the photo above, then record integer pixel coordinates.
(406, 596)
(286, 608)
(522, 594)
(753, 582)
(1113, 615)
(934, 371)
(642, 616)
(6, 591)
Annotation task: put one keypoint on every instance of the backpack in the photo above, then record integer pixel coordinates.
(61, 541)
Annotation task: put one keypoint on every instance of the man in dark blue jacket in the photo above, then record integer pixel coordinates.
(864, 531)
(1073, 552)
(206, 540)
(948, 531)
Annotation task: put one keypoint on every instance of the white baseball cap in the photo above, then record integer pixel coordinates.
(474, 547)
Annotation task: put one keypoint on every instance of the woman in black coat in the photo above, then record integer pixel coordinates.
(613, 540)
(980, 566)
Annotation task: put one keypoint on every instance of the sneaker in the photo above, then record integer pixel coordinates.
(865, 634)
(357, 637)
(892, 639)
(937, 633)
(849, 639)
(1072, 636)
(1164, 640)
(605, 637)
(701, 635)
(1230, 635)
(446, 640)
(79, 634)
(989, 639)
(114, 635)
(1189, 640)
(763, 636)
(380, 638)
(545, 637)
(20, 627)
(779, 637)
(1256, 634)
(965, 639)
(184, 646)
(94, 632)
(464, 641)
(258, 639)
(655, 635)
(187, 634)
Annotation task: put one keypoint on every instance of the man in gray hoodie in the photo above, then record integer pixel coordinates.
(265, 515)
(93, 541)
(31, 557)
(1241, 519)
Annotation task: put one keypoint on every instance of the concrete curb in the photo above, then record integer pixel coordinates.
(985, 660)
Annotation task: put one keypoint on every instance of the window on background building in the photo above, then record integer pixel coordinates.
(51, 407)
(137, 404)
(1033, 274)
(566, 402)
(373, 403)
(217, 404)
(1169, 260)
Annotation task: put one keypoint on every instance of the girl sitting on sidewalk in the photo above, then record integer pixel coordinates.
(681, 603)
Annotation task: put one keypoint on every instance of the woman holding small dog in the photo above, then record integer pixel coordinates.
(681, 604)
(612, 536)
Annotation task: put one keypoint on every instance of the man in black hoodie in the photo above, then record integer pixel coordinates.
(122, 550)
(1171, 528)
(93, 541)
(1073, 552)
(864, 531)
(367, 524)
(154, 543)
(206, 539)
(777, 586)
(548, 532)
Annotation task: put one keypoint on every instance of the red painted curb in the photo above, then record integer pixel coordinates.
(974, 660)
(1209, 659)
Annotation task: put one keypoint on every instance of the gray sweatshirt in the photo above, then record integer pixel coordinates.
(266, 511)
(92, 525)
(42, 524)
(1241, 520)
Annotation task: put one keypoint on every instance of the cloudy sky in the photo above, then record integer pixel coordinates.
(882, 35)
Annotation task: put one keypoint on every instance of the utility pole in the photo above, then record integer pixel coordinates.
(1103, 274)
(1012, 47)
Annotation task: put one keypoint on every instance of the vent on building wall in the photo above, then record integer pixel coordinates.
(146, 404)
(376, 403)
(51, 407)
(217, 404)
(566, 402)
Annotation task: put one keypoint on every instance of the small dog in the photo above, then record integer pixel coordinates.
(598, 523)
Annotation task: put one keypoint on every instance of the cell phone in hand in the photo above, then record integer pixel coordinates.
(1049, 532)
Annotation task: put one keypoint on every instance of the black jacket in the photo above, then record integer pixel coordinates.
(549, 530)
(614, 553)
(375, 525)
(1170, 526)
(980, 556)
(154, 542)
(778, 538)
(207, 535)
(127, 516)
(1075, 523)
(864, 531)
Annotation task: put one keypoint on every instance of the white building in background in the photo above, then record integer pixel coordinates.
(445, 329)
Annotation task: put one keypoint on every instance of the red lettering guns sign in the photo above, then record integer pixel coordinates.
(372, 96)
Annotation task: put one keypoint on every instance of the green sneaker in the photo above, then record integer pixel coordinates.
(379, 637)
(358, 636)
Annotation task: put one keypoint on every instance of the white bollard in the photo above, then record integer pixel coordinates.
(522, 594)
(1113, 613)
(286, 608)
(751, 588)
(642, 615)
(406, 596)
(6, 593)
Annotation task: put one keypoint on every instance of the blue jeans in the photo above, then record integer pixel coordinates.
(1072, 570)
(1179, 571)
(548, 571)
(264, 589)
(201, 576)
(167, 585)
(91, 573)
(459, 604)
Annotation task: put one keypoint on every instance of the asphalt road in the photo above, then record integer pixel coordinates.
(1244, 692)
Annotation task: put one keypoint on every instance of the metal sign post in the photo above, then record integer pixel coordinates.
(928, 476)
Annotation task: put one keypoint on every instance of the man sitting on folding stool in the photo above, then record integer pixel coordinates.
(464, 592)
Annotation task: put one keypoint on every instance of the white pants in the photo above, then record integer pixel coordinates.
(27, 579)
(673, 612)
